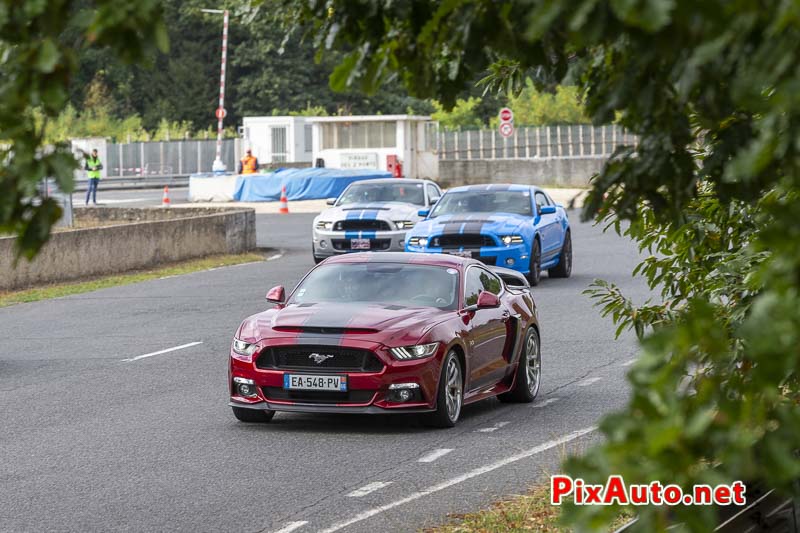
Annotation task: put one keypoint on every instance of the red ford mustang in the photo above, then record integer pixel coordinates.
(389, 333)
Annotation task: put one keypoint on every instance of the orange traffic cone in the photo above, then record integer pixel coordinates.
(284, 202)
(165, 199)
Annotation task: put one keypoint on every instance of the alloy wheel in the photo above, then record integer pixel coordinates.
(534, 362)
(453, 390)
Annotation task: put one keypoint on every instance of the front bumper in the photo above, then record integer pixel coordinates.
(514, 256)
(328, 243)
(367, 392)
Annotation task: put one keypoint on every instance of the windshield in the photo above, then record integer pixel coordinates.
(380, 283)
(517, 202)
(364, 193)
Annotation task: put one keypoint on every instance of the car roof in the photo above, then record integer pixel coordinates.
(442, 260)
(491, 187)
(391, 180)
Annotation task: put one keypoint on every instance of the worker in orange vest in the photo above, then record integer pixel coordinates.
(248, 164)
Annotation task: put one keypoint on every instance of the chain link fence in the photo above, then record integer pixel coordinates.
(526, 143)
(168, 158)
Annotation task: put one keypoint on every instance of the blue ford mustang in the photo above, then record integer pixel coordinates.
(513, 226)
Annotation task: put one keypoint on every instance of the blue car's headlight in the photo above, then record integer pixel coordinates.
(508, 240)
(418, 241)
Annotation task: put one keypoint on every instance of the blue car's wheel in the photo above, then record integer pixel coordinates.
(564, 267)
(536, 263)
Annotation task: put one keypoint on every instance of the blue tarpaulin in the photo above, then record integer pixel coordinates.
(301, 183)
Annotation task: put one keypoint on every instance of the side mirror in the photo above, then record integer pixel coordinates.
(330, 201)
(547, 210)
(434, 199)
(423, 212)
(276, 295)
(487, 300)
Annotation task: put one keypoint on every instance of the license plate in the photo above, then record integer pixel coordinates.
(309, 382)
(459, 253)
(359, 244)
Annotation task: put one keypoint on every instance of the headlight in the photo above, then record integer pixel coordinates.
(511, 239)
(245, 349)
(404, 224)
(418, 351)
(418, 241)
(324, 225)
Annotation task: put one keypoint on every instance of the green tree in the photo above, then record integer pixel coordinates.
(710, 89)
(463, 114)
(40, 44)
(533, 107)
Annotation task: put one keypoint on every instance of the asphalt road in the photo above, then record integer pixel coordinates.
(132, 198)
(93, 442)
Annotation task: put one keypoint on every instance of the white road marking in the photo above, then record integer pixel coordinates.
(435, 454)
(588, 381)
(629, 362)
(275, 256)
(545, 403)
(130, 201)
(181, 347)
(493, 428)
(291, 526)
(459, 479)
(366, 489)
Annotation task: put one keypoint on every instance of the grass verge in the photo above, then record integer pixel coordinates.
(528, 512)
(57, 290)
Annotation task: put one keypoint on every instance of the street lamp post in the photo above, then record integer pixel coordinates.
(218, 166)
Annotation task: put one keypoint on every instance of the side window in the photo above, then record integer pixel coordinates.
(433, 192)
(479, 280)
(473, 286)
(490, 282)
(541, 199)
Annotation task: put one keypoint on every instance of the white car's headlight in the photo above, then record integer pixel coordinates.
(244, 349)
(324, 225)
(511, 239)
(418, 351)
(404, 224)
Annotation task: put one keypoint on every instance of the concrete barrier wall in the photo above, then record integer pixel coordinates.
(107, 250)
(546, 172)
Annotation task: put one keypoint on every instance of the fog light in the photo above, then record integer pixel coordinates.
(323, 244)
(510, 261)
(404, 395)
(245, 387)
(402, 244)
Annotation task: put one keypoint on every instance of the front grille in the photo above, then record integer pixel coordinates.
(297, 358)
(458, 240)
(361, 225)
(374, 244)
(322, 397)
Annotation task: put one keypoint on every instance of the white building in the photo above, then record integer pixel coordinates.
(278, 139)
(377, 142)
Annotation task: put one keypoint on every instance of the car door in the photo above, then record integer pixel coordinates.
(487, 330)
(549, 228)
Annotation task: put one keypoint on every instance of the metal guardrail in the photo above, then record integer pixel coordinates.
(137, 182)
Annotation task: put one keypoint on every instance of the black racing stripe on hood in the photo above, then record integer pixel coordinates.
(329, 317)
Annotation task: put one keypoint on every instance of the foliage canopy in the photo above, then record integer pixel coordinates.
(711, 90)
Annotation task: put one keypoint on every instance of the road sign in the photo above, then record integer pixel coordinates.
(220, 113)
(506, 115)
(506, 129)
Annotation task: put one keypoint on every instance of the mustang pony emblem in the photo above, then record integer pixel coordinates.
(320, 358)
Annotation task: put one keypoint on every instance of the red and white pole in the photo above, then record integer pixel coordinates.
(218, 165)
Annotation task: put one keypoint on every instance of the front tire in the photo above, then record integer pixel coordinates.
(564, 267)
(527, 378)
(450, 395)
(252, 416)
(536, 263)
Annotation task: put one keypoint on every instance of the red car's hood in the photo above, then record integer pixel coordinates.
(379, 323)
